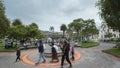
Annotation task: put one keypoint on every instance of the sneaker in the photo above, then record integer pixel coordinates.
(70, 66)
(44, 61)
(36, 63)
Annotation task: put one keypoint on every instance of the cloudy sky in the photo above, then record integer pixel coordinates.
(46, 13)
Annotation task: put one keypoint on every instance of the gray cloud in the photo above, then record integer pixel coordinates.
(48, 13)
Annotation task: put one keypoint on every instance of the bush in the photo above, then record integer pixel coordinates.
(118, 45)
(118, 40)
(112, 39)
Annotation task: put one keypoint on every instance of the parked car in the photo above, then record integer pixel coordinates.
(8, 43)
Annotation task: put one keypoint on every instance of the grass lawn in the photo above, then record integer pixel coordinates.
(113, 51)
(88, 44)
(7, 50)
(2, 44)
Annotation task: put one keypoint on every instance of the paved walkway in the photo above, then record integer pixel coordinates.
(91, 58)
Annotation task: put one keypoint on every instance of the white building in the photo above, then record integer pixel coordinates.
(104, 29)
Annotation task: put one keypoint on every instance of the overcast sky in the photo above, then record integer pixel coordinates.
(46, 13)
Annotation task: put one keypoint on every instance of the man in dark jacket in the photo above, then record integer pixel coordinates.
(41, 51)
(18, 54)
(65, 51)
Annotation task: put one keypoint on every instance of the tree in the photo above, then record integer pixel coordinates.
(63, 28)
(22, 31)
(31, 32)
(90, 28)
(17, 32)
(83, 28)
(51, 33)
(2, 9)
(40, 35)
(51, 28)
(110, 12)
(34, 25)
(16, 22)
(4, 21)
(77, 25)
(108, 35)
(69, 30)
(17, 29)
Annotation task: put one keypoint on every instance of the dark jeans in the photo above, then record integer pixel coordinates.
(18, 57)
(67, 59)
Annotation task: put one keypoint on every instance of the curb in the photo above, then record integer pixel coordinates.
(112, 55)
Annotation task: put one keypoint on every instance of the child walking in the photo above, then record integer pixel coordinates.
(18, 53)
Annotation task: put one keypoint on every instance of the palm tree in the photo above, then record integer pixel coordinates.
(63, 28)
(51, 31)
(51, 28)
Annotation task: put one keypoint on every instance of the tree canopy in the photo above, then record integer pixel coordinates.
(17, 22)
(83, 28)
(89, 27)
(4, 21)
(34, 25)
(110, 12)
(77, 25)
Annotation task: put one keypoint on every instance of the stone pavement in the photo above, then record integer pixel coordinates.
(91, 58)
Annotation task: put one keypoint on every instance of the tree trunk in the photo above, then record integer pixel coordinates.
(63, 34)
(77, 33)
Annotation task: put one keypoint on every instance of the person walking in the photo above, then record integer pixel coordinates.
(72, 52)
(18, 53)
(41, 53)
(65, 50)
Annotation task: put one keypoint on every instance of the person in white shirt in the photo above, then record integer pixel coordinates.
(56, 47)
(54, 50)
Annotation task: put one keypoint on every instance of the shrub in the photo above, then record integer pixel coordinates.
(118, 45)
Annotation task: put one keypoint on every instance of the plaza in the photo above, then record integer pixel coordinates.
(85, 58)
(85, 32)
